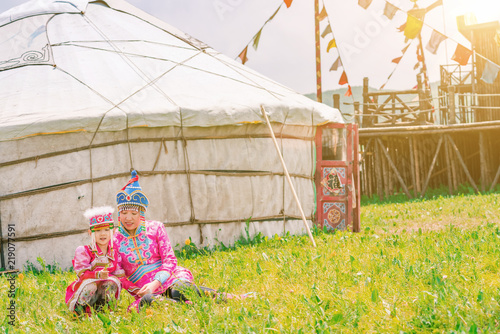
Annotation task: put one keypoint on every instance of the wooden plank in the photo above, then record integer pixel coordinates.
(448, 166)
(412, 165)
(417, 165)
(378, 171)
(424, 188)
(464, 166)
(394, 169)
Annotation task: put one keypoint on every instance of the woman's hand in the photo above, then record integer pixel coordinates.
(149, 288)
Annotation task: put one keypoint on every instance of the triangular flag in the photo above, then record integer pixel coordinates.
(335, 65)
(390, 10)
(434, 5)
(288, 3)
(327, 31)
(243, 55)
(405, 48)
(349, 91)
(331, 44)
(256, 39)
(323, 14)
(461, 55)
(402, 27)
(436, 39)
(272, 16)
(364, 3)
(397, 60)
(490, 72)
(414, 23)
(343, 79)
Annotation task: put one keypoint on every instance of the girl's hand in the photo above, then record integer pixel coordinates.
(149, 288)
(103, 274)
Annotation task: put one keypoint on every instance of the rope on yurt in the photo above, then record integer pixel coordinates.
(52, 235)
(187, 168)
(139, 140)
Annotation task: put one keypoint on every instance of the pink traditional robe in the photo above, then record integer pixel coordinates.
(87, 265)
(148, 255)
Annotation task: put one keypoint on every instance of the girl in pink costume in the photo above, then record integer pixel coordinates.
(100, 279)
(146, 254)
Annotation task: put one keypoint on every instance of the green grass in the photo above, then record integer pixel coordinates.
(418, 266)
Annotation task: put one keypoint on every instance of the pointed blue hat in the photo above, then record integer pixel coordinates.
(131, 195)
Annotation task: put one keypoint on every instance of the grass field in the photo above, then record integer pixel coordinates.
(416, 267)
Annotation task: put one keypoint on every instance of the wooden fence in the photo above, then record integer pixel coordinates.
(411, 160)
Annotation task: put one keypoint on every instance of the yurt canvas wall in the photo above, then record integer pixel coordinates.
(90, 90)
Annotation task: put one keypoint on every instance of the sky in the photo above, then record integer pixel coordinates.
(367, 40)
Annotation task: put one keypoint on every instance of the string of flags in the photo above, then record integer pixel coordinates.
(256, 38)
(333, 44)
(411, 29)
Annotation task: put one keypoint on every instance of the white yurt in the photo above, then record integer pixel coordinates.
(90, 90)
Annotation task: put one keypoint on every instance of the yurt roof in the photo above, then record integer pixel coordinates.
(80, 65)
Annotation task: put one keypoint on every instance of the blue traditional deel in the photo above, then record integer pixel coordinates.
(131, 194)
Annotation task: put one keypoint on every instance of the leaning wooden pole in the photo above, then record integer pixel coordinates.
(287, 174)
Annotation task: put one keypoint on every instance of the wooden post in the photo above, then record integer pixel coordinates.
(452, 116)
(421, 102)
(417, 165)
(464, 166)
(336, 101)
(357, 116)
(394, 169)
(385, 172)
(424, 188)
(378, 171)
(367, 119)
(482, 161)
(448, 165)
(319, 92)
(287, 174)
(412, 165)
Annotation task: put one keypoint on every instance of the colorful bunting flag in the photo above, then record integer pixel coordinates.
(243, 55)
(288, 3)
(490, 72)
(436, 39)
(390, 10)
(272, 16)
(414, 23)
(323, 14)
(461, 55)
(328, 30)
(331, 44)
(349, 91)
(335, 65)
(397, 60)
(256, 39)
(343, 79)
(364, 3)
(405, 48)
